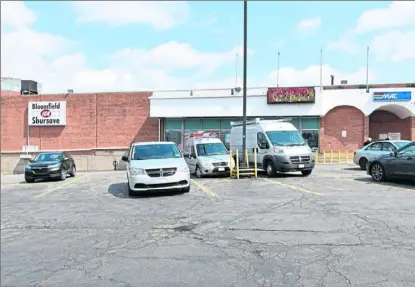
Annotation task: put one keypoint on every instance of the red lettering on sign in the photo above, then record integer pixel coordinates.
(45, 113)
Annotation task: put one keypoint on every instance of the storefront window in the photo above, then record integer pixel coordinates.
(312, 137)
(310, 123)
(173, 131)
(193, 124)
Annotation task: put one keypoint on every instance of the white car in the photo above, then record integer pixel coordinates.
(156, 166)
(207, 156)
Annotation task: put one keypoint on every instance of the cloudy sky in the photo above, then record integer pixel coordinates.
(115, 46)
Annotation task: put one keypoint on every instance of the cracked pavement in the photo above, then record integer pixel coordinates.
(85, 231)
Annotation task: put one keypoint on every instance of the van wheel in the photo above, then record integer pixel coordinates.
(270, 169)
(362, 163)
(306, 172)
(198, 172)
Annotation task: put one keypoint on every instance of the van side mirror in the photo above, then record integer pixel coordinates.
(124, 158)
(193, 155)
(263, 145)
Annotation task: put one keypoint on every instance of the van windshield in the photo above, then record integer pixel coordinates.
(286, 138)
(155, 151)
(208, 149)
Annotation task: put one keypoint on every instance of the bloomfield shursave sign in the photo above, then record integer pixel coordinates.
(47, 113)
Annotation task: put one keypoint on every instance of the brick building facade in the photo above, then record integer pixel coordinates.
(94, 121)
(105, 121)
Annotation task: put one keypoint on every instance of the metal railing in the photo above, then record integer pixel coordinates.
(238, 171)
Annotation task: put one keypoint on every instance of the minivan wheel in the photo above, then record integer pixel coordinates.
(29, 179)
(362, 163)
(378, 172)
(270, 169)
(198, 172)
(130, 192)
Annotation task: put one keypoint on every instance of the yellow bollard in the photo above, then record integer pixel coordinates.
(324, 157)
(338, 157)
(347, 156)
(316, 158)
(331, 156)
(237, 164)
(255, 164)
(230, 164)
(246, 158)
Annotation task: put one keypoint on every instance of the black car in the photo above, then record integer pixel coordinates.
(398, 164)
(50, 165)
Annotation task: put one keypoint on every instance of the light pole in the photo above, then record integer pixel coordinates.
(244, 78)
(278, 70)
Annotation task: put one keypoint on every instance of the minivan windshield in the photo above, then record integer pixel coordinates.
(48, 156)
(286, 138)
(155, 151)
(208, 149)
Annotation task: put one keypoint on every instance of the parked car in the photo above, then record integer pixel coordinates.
(280, 148)
(375, 149)
(156, 166)
(206, 156)
(50, 165)
(396, 164)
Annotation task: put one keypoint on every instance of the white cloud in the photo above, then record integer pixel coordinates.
(158, 14)
(345, 43)
(175, 55)
(16, 15)
(397, 14)
(394, 46)
(50, 60)
(391, 45)
(290, 77)
(309, 25)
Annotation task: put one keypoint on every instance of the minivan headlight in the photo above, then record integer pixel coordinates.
(207, 164)
(184, 168)
(137, 171)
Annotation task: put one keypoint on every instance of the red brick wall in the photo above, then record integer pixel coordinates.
(93, 121)
(343, 117)
(413, 129)
(383, 122)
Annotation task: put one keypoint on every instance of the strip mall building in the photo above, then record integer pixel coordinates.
(98, 128)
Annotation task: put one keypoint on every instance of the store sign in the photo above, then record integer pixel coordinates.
(392, 96)
(47, 113)
(291, 95)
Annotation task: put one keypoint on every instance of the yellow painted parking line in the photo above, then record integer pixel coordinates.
(294, 187)
(203, 188)
(22, 184)
(60, 186)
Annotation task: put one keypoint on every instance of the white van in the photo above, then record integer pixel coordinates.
(279, 145)
(206, 155)
(156, 166)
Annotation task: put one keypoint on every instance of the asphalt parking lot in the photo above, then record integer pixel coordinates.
(334, 228)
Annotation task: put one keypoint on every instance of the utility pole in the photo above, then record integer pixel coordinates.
(236, 70)
(278, 70)
(244, 78)
(321, 69)
(367, 70)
